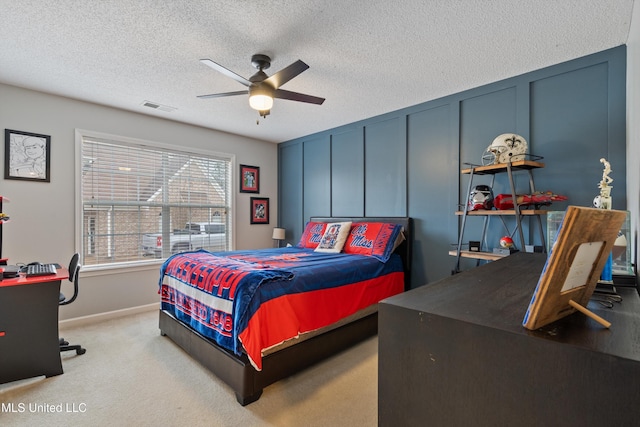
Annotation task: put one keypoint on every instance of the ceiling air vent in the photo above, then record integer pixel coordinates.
(157, 106)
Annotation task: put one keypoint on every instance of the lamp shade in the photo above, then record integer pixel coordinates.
(261, 102)
(278, 233)
(260, 98)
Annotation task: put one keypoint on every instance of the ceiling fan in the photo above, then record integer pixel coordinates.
(262, 88)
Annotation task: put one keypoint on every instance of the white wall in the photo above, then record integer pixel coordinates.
(633, 124)
(42, 226)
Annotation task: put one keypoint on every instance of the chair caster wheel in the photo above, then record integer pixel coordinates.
(81, 351)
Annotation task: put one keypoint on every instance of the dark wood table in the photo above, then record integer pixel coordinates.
(29, 343)
(455, 353)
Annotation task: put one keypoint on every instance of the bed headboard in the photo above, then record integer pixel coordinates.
(404, 250)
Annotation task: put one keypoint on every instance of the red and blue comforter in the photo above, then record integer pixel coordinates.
(249, 301)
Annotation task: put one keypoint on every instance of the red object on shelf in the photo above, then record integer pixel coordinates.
(506, 242)
(505, 201)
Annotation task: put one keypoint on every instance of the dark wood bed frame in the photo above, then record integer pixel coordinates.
(238, 372)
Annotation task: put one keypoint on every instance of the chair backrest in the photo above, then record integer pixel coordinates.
(74, 272)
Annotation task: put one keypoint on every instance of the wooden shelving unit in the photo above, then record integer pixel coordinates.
(502, 167)
(527, 165)
(487, 256)
(506, 212)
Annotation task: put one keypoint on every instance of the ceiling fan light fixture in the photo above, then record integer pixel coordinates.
(260, 101)
(262, 88)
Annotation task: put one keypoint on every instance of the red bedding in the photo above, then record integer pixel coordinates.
(250, 301)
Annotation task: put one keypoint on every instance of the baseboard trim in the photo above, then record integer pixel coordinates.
(101, 317)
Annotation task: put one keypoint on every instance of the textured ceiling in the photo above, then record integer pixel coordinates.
(365, 58)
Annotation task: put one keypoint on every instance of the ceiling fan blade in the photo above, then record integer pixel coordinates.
(295, 96)
(226, 72)
(286, 74)
(220, 95)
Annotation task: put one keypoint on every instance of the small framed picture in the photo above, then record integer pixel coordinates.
(26, 156)
(259, 210)
(249, 179)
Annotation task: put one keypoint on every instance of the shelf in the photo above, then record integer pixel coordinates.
(489, 256)
(502, 167)
(527, 165)
(530, 212)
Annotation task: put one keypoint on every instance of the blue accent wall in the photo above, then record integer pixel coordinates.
(316, 177)
(347, 171)
(407, 162)
(385, 168)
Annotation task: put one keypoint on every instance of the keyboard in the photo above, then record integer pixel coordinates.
(40, 270)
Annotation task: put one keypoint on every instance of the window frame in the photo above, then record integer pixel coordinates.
(80, 134)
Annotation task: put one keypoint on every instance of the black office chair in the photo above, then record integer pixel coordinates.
(74, 271)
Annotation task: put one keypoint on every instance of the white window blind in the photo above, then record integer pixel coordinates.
(145, 202)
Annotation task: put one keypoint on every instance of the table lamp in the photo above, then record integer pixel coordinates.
(278, 234)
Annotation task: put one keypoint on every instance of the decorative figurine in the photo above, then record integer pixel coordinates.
(603, 201)
(606, 179)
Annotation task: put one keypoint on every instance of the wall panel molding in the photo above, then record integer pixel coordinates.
(408, 161)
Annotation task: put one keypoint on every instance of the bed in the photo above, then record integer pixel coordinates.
(250, 358)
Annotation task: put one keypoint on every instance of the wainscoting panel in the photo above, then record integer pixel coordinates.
(347, 173)
(408, 162)
(317, 177)
(385, 168)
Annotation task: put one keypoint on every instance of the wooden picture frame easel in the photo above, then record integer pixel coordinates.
(570, 275)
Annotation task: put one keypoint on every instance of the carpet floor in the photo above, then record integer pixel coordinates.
(130, 375)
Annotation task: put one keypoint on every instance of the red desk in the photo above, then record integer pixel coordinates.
(29, 343)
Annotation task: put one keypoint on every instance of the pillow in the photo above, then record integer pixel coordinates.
(312, 234)
(399, 240)
(376, 239)
(334, 237)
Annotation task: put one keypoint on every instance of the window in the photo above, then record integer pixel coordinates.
(141, 201)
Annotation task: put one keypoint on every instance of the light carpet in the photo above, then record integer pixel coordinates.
(130, 375)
